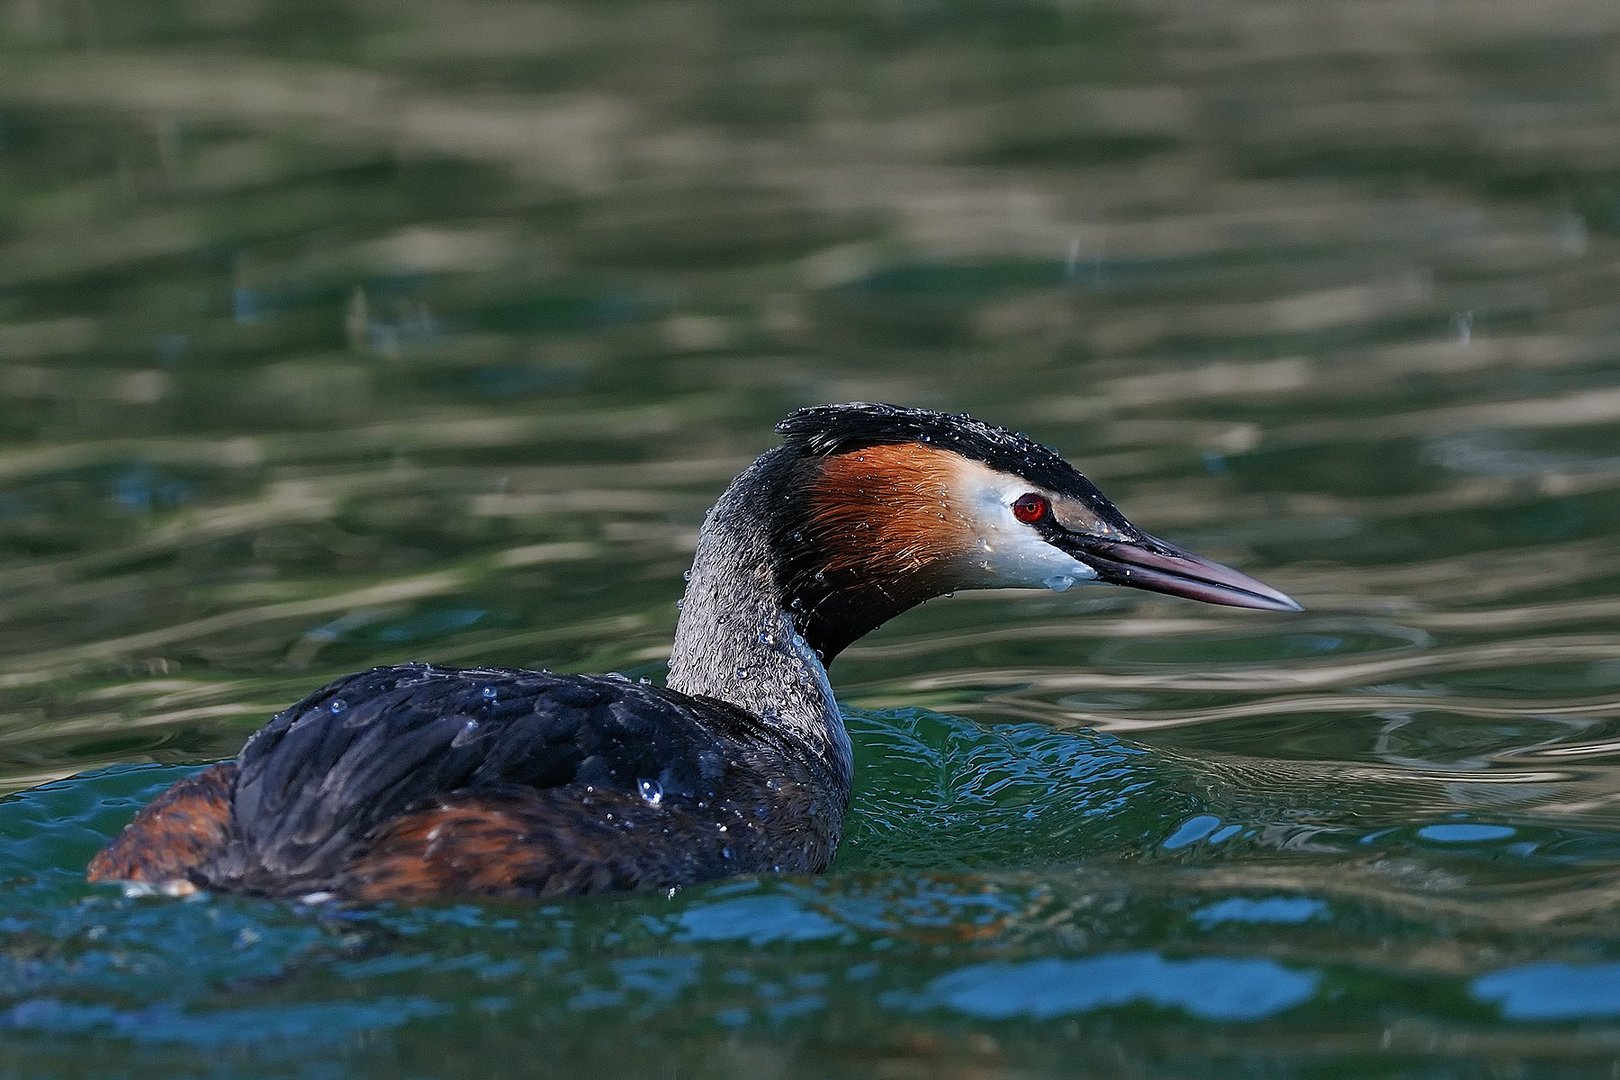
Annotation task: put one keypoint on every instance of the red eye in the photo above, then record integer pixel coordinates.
(1030, 508)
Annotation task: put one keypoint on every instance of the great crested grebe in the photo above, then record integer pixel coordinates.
(417, 781)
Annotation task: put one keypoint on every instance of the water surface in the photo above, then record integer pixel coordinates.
(347, 335)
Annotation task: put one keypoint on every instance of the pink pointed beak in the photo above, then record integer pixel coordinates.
(1156, 566)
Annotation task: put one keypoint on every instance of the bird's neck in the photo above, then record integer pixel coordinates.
(737, 638)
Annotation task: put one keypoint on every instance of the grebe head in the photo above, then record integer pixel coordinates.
(889, 506)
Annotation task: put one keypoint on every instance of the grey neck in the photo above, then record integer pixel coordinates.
(736, 641)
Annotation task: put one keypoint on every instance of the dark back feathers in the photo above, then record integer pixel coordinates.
(320, 777)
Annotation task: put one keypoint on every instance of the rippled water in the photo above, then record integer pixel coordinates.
(339, 335)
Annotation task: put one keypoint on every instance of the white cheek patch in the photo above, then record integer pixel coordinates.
(1008, 553)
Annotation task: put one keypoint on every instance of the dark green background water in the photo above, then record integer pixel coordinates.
(341, 334)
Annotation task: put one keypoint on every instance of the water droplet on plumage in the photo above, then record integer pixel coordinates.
(489, 693)
(725, 853)
(1058, 582)
(337, 706)
(468, 732)
(652, 793)
(686, 575)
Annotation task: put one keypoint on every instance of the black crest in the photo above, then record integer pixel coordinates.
(823, 430)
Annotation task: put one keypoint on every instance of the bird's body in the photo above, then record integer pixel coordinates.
(419, 781)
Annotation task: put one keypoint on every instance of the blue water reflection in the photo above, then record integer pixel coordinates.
(1550, 992)
(1210, 988)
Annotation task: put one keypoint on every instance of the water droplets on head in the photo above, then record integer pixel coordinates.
(489, 693)
(338, 707)
(468, 732)
(651, 791)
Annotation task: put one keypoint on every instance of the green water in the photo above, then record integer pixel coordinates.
(347, 334)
